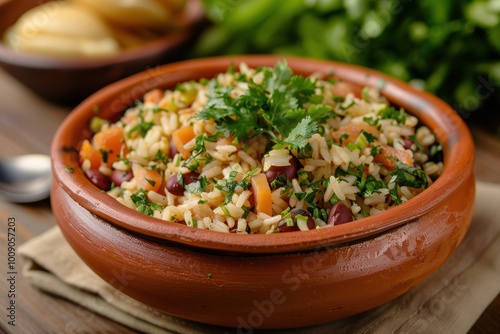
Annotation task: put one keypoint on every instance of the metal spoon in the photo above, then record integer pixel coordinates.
(25, 178)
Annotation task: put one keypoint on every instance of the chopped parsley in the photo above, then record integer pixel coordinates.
(435, 149)
(143, 204)
(274, 107)
(391, 113)
(228, 186)
(104, 155)
(405, 175)
(416, 142)
(142, 127)
(199, 186)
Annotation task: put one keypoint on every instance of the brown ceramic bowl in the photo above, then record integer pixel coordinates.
(69, 81)
(265, 281)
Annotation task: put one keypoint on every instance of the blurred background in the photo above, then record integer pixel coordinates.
(448, 47)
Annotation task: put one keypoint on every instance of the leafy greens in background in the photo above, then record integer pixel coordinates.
(448, 47)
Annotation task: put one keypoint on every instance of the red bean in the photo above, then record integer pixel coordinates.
(407, 143)
(174, 187)
(283, 227)
(289, 171)
(100, 180)
(190, 177)
(339, 214)
(119, 176)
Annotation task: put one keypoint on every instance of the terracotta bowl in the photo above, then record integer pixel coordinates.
(69, 81)
(265, 281)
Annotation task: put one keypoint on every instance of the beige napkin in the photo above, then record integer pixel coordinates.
(450, 301)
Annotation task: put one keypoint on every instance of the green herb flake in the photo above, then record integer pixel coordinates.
(96, 124)
(199, 186)
(69, 170)
(104, 155)
(419, 146)
(143, 204)
(391, 113)
(151, 182)
(409, 176)
(435, 149)
(274, 107)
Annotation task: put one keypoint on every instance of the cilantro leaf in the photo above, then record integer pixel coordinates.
(298, 136)
(275, 107)
(143, 204)
(228, 185)
(391, 113)
(199, 186)
(405, 175)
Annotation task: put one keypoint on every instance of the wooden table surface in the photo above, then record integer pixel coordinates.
(27, 125)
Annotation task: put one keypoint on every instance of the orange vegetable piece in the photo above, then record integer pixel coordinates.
(262, 194)
(112, 141)
(180, 137)
(147, 179)
(153, 96)
(87, 152)
(353, 131)
(389, 155)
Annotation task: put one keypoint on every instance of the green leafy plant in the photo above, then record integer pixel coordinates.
(448, 47)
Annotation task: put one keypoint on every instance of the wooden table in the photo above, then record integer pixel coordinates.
(27, 125)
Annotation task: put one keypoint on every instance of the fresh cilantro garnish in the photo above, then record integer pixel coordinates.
(370, 138)
(199, 186)
(280, 181)
(104, 155)
(199, 152)
(160, 156)
(363, 139)
(275, 107)
(143, 204)
(419, 146)
(228, 185)
(305, 152)
(370, 120)
(395, 195)
(344, 108)
(96, 124)
(142, 128)
(151, 182)
(391, 113)
(405, 175)
(343, 137)
(435, 149)
(372, 186)
(298, 136)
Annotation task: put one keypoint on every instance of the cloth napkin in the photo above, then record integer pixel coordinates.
(450, 301)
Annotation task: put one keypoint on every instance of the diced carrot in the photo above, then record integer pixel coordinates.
(353, 131)
(180, 137)
(111, 141)
(147, 179)
(262, 194)
(389, 155)
(87, 152)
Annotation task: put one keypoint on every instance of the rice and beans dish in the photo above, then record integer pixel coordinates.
(261, 151)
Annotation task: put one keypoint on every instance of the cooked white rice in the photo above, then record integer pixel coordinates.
(360, 168)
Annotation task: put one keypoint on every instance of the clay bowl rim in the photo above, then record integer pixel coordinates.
(190, 18)
(449, 128)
